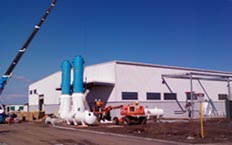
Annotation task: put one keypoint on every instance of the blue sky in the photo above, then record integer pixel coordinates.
(188, 33)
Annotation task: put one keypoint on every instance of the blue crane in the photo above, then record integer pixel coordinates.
(8, 73)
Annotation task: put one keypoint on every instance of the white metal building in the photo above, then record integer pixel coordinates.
(16, 108)
(121, 82)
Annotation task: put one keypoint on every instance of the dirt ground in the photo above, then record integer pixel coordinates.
(186, 131)
(35, 133)
(216, 131)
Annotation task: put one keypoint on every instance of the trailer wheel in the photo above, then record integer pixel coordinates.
(126, 121)
(115, 121)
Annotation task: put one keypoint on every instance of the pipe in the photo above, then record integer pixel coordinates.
(80, 107)
(66, 75)
(169, 88)
(65, 98)
(78, 95)
(192, 103)
(229, 91)
(78, 63)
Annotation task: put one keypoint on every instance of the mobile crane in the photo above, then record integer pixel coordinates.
(8, 73)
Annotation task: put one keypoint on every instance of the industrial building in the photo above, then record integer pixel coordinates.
(122, 82)
(16, 108)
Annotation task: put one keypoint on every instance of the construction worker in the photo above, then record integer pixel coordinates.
(188, 107)
(99, 103)
(136, 103)
(9, 119)
(98, 106)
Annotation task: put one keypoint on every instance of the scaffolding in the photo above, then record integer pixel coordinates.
(199, 76)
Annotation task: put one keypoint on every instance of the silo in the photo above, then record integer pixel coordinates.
(78, 95)
(65, 98)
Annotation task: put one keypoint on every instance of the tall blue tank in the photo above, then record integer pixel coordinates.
(78, 63)
(66, 74)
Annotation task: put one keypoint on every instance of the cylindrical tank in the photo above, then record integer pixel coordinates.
(154, 112)
(65, 98)
(66, 74)
(78, 74)
(65, 105)
(86, 116)
(78, 102)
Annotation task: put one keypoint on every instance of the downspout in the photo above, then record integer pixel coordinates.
(191, 89)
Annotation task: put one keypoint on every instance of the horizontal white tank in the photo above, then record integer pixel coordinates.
(85, 117)
(156, 112)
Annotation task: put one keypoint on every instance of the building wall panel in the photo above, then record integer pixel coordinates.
(100, 73)
(131, 77)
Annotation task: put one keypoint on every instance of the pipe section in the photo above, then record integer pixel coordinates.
(66, 75)
(78, 63)
(65, 98)
(74, 109)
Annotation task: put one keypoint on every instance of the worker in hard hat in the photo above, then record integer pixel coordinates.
(99, 103)
(98, 106)
(136, 103)
(188, 108)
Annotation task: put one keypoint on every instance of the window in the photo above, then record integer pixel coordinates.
(20, 108)
(129, 96)
(12, 108)
(35, 91)
(169, 96)
(30, 92)
(153, 96)
(41, 96)
(222, 96)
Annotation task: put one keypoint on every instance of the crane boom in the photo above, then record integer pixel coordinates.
(4, 78)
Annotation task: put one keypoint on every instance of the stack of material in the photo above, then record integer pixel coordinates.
(28, 116)
(19, 116)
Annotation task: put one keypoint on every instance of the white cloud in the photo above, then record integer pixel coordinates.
(16, 95)
(21, 78)
(14, 98)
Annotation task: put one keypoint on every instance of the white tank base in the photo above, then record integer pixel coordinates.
(65, 103)
(78, 102)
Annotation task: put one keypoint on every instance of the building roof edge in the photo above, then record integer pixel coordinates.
(171, 67)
